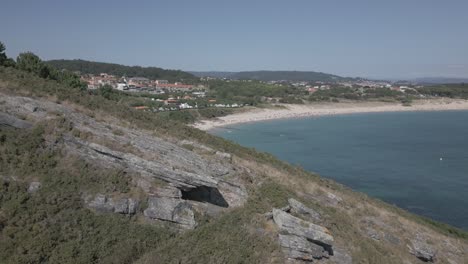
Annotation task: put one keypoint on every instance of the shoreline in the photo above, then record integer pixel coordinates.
(326, 109)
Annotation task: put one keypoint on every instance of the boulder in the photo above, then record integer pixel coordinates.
(100, 203)
(7, 120)
(126, 206)
(235, 194)
(298, 208)
(392, 239)
(295, 226)
(172, 210)
(299, 248)
(121, 206)
(422, 250)
(33, 187)
(372, 233)
(333, 199)
(167, 191)
(301, 240)
(223, 155)
(31, 107)
(133, 206)
(341, 256)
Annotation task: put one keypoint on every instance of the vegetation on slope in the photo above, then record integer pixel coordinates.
(91, 67)
(446, 90)
(250, 92)
(288, 75)
(52, 225)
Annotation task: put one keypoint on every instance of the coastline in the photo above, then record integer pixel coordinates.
(325, 109)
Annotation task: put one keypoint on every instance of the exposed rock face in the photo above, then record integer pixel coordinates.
(326, 198)
(179, 178)
(302, 240)
(126, 206)
(300, 209)
(223, 155)
(299, 248)
(392, 239)
(33, 187)
(148, 158)
(422, 250)
(341, 256)
(195, 144)
(235, 194)
(31, 107)
(108, 205)
(101, 204)
(168, 191)
(299, 227)
(171, 209)
(7, 120)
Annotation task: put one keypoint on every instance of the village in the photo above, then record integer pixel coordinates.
(164, 96)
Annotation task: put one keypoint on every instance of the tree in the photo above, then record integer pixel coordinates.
(3, 56)
(30, 62)
(4, 60)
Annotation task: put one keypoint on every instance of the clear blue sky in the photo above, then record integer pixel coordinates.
(372, 38)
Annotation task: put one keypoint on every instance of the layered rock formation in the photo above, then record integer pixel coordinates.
(301, 239)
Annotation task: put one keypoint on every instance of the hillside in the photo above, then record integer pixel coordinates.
(275, 76)
(86, 179)
(288, 76)
(91, 67)
(439, 80)
(213, 74)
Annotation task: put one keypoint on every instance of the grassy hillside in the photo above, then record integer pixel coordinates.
(54, 224)
(91, 67)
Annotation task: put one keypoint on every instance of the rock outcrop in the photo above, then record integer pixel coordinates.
(207, 176)
(299, 248)
(173, 210)
(34, 187)
(420, 249)
(103, 204)
(300, 239)
(299, 208)
(7, 120)
(179, 178)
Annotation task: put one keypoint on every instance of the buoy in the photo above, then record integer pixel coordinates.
(440, 158)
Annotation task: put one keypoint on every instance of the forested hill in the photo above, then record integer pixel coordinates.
(91, 67)
(213, 74)
(288, 75)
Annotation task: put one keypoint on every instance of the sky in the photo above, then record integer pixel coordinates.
(365, 38)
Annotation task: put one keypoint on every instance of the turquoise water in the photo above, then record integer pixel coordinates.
(392, 156)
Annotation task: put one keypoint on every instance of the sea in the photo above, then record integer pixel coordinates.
(415, 160)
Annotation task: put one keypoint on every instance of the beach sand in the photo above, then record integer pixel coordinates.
(321, 109)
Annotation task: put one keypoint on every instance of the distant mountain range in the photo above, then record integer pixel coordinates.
(275, 76)
(213, 74)
(439, 80)
(91, 67)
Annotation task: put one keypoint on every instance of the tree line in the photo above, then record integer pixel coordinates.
(91, 67)
(30, 62)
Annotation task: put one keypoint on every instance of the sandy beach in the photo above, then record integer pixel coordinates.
(321, 109)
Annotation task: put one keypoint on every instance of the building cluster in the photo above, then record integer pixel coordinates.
(140, 84)
(181, 103)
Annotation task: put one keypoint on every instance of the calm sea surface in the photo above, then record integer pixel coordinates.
(416, 160)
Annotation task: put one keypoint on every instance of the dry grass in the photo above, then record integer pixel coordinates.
(350, 218)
